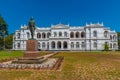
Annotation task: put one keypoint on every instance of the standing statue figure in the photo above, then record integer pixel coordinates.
(31, 27)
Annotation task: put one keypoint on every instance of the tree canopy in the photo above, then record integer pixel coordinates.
(3, 27)
(3, 32)
(119, 40)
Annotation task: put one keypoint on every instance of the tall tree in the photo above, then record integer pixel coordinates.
(118, 40)
(3, 32)
(3, 27)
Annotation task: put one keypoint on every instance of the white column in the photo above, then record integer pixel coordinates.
(55, 45)
(68, 46)
(62, 45)
(74, 35)
(74, 45)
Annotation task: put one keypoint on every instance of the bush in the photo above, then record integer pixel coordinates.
(106, 47)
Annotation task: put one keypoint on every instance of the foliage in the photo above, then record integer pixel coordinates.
(3, 31)
(118, 40)
(106, 47)
(1, 43)
(8, 41)
(3, 27)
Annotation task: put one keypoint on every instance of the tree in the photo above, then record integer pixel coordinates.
(118, 40)
(8, 41)
(3, 26)
(3, 31)
(106, 47)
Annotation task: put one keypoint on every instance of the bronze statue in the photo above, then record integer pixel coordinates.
(31, 27)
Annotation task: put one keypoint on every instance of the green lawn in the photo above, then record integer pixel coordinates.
(4, 55)
(10, 55)
(76, 66)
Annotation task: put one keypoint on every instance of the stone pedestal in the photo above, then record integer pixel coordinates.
(31, 48)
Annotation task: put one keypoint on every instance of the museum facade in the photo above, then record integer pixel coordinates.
(62, 37)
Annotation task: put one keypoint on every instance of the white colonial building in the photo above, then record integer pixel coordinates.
(65, 37)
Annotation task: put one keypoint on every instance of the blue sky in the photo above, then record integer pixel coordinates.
(74, 12)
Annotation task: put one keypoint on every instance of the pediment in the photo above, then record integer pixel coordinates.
(58, 26)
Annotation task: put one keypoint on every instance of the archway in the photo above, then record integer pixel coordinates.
(48, 34)
(106, 34)
(77, 34)
(18, 45)
(60, 34)
(59, 45)
(114, 45)
(94, 33)
(77, 45)
(18, 35)
(53, 44)
(38, 35)
(65, 45)
(43, 35)
(82, 34)
(72, 35)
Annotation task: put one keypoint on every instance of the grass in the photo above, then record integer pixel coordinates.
(10, 54)
(6, 55)
(76, 66)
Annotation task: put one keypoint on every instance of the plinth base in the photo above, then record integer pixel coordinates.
(30, 60)
(32, 49)
(32, 54)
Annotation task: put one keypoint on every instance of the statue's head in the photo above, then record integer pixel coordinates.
(31, 18)
(32, 22)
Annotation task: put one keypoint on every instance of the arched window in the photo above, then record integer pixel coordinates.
(72, 35)
(72, 45)
(18, 45)
(110, 37)
(110, 45)
(18, 34)
(114, 45)
(52, 44)
(114, 37)
(48, 34)
(77, 45)
(106, 34)
(43, 45)
(82, 34)
(43, 35)
(77, 34)
(60, 34)
(65, 44)
(58, 44)
(94, 33)
(95, 44)
(28, 35)
(83, 45)
(55, 34)
(38, 35)
(65, 34)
